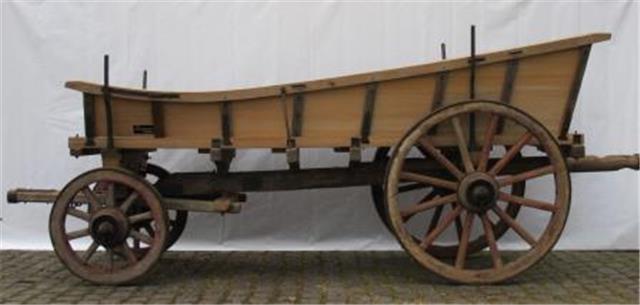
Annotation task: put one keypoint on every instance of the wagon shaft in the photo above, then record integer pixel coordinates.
(601, 164)
(223, 204)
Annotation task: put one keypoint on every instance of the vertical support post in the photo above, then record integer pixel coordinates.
(89, 118)
(107, 103)
(298, 110)
(157, 111)
(221, 156)
(285, 112)
(367, 111)
(292, 151)
(575, 89)
(293, 155)
(440, 88)
(157, 116)
(472, 89)
(507, 88)
(472, 65)
(144, 79)
(225, 113)
(441, 84)
(355, 152)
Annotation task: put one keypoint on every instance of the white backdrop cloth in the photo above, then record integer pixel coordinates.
(210, 46)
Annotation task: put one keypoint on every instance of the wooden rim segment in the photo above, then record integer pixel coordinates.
(479, 190)
(107, 224)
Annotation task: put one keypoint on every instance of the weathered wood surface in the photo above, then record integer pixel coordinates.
(223, 204)
(193, 184)
(331, 112)
(178, 187)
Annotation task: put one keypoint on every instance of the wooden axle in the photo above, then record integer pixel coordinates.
(223, 204)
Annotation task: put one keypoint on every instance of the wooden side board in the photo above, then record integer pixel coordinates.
(345, 81)
(542, 80)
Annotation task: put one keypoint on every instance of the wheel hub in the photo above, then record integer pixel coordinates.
(109, 227)
(478, 192)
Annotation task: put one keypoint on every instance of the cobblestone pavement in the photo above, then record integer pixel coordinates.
(320, 277)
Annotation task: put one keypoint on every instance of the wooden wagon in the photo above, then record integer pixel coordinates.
(467, 134)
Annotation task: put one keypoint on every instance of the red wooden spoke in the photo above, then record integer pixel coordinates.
(422, 150)
(462, 145)
(532, 203)
(93, 200)
(512, 153)
(78, 234)
(434, 220)
(425, 205)
(438, 156)
(515, 226)
(140, 217)
(464, 240)
(147, 227)
(128, 254)
(488, 142)
(78, 214)
(458, 222)
(491, 240)
(429, 180)
(111, 195)
(534, 173)
(411, 187)
(141, 237)
(127, 202)
(89, 252)
(431, 237)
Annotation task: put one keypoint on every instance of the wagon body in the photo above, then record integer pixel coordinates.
(377, 107)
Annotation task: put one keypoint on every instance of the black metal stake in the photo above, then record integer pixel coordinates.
(472, 89)
(441, 83)
(144, 79)
(472, 63)
(107, 102)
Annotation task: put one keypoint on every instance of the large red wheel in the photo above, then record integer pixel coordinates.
(94, 232)
(478, 190)
(428, 192)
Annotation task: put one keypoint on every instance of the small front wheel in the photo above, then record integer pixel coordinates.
(177, 218)
(94, 232)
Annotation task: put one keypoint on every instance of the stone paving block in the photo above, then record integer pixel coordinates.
(320, 277)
